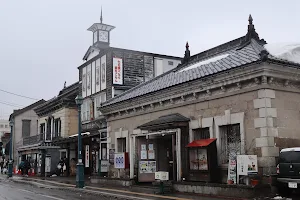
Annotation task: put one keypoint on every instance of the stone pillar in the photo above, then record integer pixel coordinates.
(266, 123)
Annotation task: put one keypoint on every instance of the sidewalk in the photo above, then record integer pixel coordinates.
(141, 192)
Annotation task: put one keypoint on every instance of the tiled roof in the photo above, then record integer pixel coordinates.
(234, 57)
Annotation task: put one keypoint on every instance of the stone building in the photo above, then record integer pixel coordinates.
(238, 92)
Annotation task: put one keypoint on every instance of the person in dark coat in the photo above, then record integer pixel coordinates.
(22, 167)
(27, 167)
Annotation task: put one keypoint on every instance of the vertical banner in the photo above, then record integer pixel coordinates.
(87, 156)
(91, 111)
(118, 71)
(103, 72)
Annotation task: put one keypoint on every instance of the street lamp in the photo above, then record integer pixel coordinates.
(10, 163)
(80, 170)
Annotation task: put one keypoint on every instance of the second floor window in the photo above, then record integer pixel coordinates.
(26, 128)
(57, 127)
(42, 128)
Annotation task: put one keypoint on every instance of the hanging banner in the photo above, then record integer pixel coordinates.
(232, 171)
(87, 156)
(118, 71)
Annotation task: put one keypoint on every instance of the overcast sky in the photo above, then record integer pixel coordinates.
(43, 42)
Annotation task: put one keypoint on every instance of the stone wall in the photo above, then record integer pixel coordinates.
(241, 103)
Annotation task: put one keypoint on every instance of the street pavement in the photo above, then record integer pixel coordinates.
(19, 190)
(28, 189)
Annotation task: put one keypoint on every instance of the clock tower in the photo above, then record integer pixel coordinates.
(101, 33)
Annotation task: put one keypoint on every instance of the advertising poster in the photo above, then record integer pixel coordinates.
(151, 154)
(143, 154)
(246, 164)
(119, 161)
(151, 166)
(143, 147)
(104, 165)
(143, 167)
(147, 167)
(202, 159)
(117, 71)
(151, 147)
(232, 171)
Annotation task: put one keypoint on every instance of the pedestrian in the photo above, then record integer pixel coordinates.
(22, 167)
(61, 167)
(27, 167)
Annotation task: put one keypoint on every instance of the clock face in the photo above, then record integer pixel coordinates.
(103, 36)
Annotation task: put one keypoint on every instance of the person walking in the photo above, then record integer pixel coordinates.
(27, 167)
(22, 167)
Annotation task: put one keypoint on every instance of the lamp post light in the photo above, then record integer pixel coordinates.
(10, 163)
(80, 169)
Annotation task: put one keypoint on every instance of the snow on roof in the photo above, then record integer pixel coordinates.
(204, 62)
(290, 149)
(285, 51)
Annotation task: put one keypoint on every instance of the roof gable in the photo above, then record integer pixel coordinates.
(31, 106)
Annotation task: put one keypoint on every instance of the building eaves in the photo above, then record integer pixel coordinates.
(31, 106)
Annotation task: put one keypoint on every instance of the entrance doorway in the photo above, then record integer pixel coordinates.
(165, 146)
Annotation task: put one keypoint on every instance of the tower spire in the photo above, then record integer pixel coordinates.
(101, 18)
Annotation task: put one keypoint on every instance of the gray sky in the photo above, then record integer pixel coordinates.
(43, 42)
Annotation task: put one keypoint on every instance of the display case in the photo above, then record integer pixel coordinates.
(202, 158)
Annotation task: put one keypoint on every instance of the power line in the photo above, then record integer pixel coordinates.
(9, 104)
(17, 94)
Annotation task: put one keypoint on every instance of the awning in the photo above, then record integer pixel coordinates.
(201, 143)
(167, 121)
(82, 134)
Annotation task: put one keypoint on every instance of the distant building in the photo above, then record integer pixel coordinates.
(25, 126)
(4, 135)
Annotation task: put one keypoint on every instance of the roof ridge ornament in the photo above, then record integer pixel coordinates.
(187, 53)
(251, 34)
(251, 30)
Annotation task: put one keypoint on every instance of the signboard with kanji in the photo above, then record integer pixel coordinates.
(117, 71)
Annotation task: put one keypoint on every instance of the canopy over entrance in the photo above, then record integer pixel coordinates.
(166, 122)
(201, 143)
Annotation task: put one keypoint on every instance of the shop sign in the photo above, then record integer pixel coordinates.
(117, 71)
(246, 164)
(119, 161)
(87, 156)
(163, 176)
(104, 165)
(232, 171)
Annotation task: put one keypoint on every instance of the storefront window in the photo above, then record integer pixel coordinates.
(198, 159)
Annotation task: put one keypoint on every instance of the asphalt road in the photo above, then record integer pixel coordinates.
(15, 191)
(11, 190)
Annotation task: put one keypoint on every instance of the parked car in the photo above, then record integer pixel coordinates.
(288, 170)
